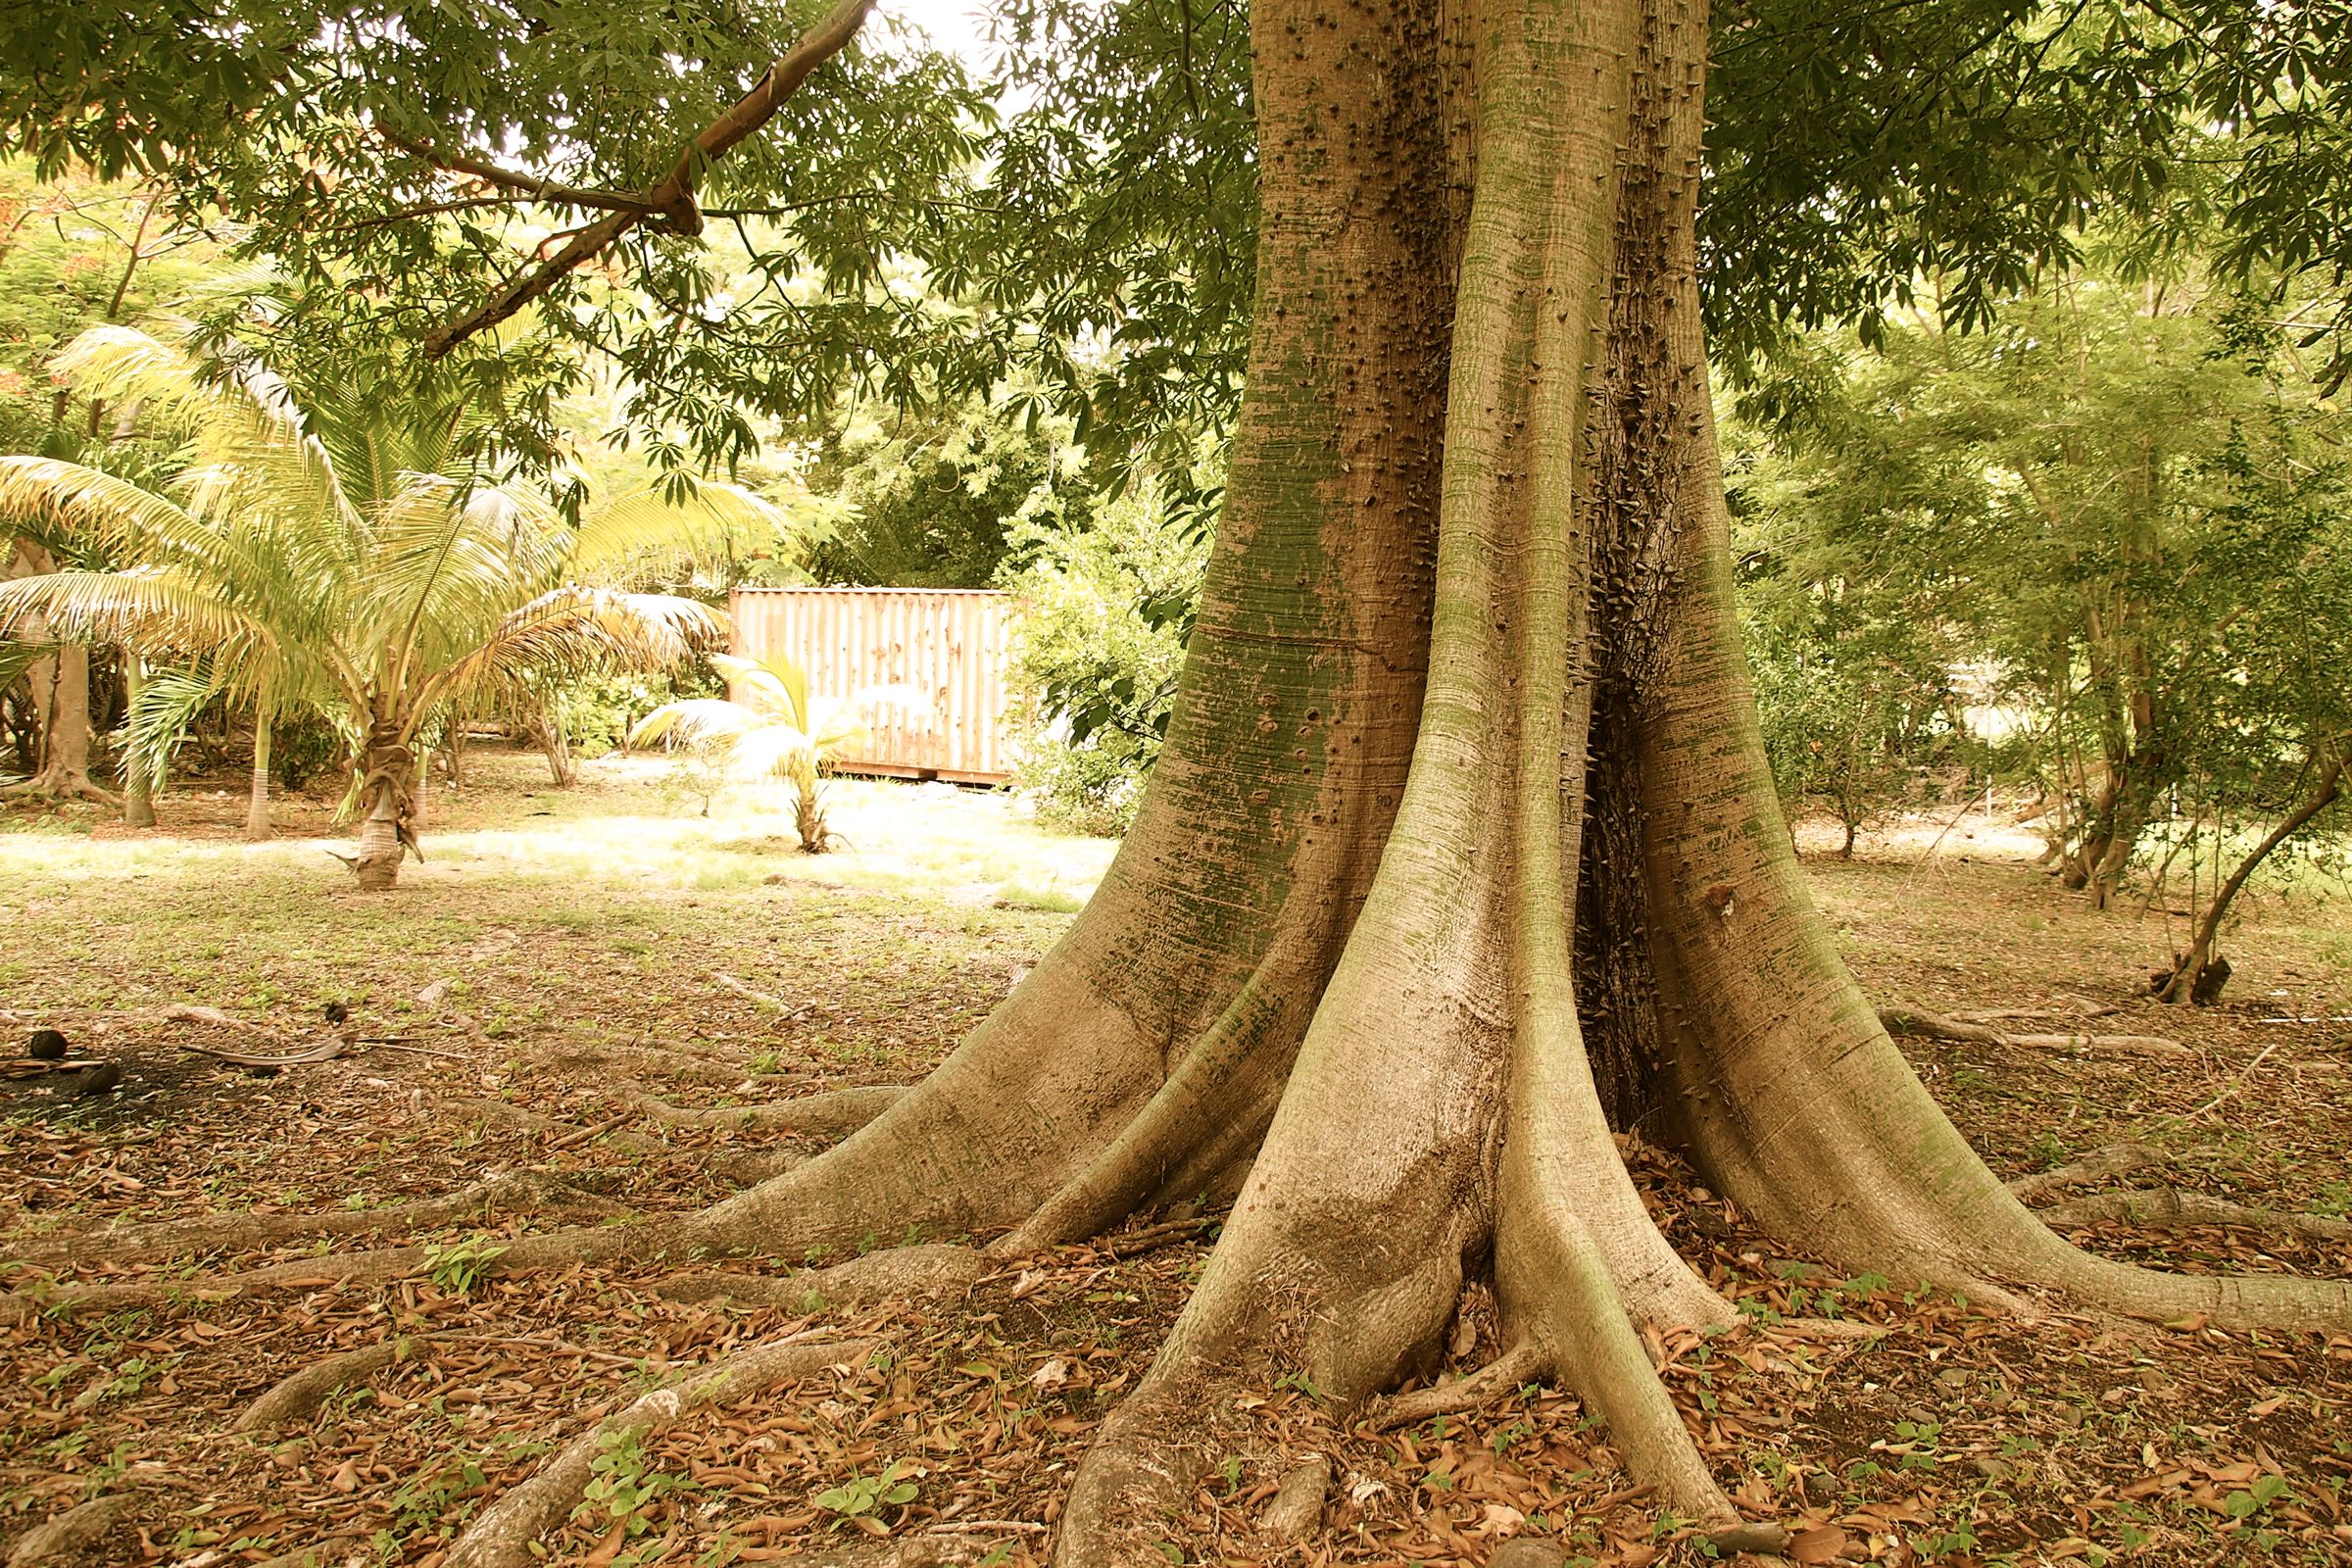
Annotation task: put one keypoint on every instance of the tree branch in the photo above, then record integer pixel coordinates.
(670, 201)
(533, 187)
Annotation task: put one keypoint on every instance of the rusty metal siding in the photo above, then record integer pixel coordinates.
(944, 647)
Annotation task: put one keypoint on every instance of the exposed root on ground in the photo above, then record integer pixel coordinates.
(678, 1062)
(510, 1193)
(298, 1397)
(60, 784)
(522, 1254)
(1523, 1363)
(1294, 1513)
(2127, 1045)
(900, 1271)
(73, 1532)
(1917, 1023)
(505, 1533)
(835, 1113)
(555, 1133)
(2171, 1207)
(2114, 1159)
(750, 1170)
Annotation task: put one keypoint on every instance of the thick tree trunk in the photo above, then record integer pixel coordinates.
(1463, 843)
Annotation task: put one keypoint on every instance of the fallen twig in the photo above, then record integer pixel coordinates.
(2227, 1089)
(744, 989)
(327, 1051)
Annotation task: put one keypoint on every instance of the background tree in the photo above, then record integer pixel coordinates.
(934, 502)
(1104, 604)
(2126, 498)
(75, 251)
(322, 558)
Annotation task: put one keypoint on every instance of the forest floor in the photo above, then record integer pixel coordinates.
(563, 952)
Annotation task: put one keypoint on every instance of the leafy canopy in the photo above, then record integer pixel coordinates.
(893, 231)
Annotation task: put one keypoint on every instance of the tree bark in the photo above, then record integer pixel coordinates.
(256, 796)
(561, 767)
(138, 788)
(387, 801)
(61, 696)
(1463, 847)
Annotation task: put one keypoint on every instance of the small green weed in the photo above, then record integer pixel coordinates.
(858, 1498)
(460, 1266)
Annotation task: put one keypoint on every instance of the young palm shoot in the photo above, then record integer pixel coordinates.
(776, 730)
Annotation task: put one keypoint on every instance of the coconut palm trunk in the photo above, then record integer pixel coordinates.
(256, 796)
(387, 773)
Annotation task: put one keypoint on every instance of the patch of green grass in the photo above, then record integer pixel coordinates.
(1057, 901)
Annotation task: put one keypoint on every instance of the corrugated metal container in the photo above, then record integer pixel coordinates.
(939, 650)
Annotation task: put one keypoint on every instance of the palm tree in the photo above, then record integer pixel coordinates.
(343, 554)
(776, 731)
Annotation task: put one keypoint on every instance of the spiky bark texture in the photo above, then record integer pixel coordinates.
(1463, 846)
(1463, 843)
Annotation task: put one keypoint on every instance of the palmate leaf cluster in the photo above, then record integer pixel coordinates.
(318, 146)
(773, 728)
(334, 550)
(1088, 216)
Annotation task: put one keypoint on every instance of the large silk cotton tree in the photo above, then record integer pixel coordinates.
(1464, 836)
(1463, 846)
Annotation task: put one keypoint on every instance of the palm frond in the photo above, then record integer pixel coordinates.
(161, 612)
(653, 534)
(777, 684)
(774, 751)
(695, 722)
(16, 660)
(572, 633)
(251, 445)
(168, 704)
(89, 506)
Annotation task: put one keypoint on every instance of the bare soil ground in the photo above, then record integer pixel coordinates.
(565, 951)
